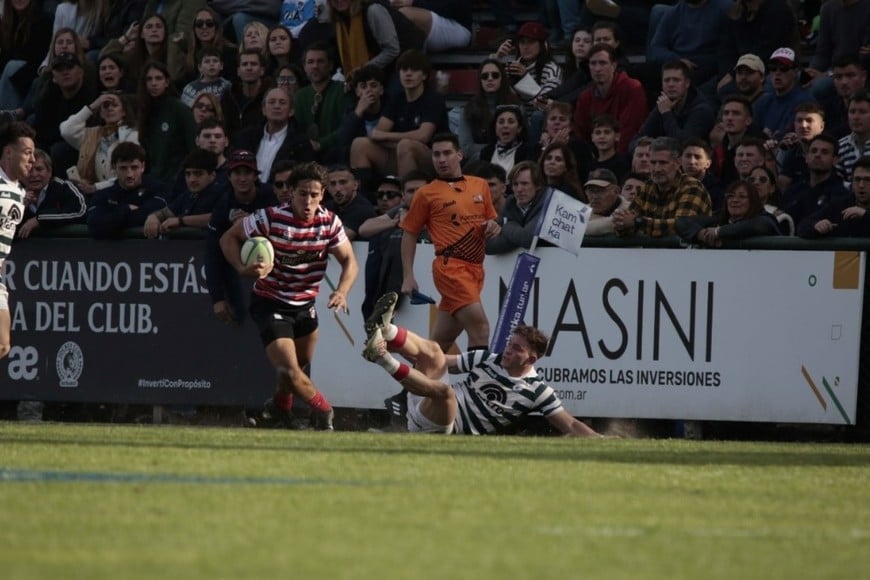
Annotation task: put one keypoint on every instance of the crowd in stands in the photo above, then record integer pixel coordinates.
(160, 114)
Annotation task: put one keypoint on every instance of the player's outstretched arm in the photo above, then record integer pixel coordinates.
(568, 425)
(349, 271)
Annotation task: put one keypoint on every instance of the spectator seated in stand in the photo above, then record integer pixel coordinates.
(345, 201)
(50, 201)
(192, 208)
(857, 143)
(764, 180)
(361, 119)
(823, 184)
(96, 143)
(534, 72)
(445, 23)
(680, 111)
(602, 190)
(472, 121)
(559, 170)
(519, 216)
(210, 66)
(846, 217)
(205, 32)
(129, 202)
(743, 216)
(774, 112)
(605, 140)
(509, 144)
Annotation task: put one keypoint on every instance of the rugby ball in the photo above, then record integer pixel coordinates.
(257, 250)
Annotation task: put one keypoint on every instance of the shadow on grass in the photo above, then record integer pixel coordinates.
(668, 452)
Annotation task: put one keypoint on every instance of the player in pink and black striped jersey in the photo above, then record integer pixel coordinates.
(303, 234)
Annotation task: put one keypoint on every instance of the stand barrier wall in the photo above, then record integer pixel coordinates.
(749, 333)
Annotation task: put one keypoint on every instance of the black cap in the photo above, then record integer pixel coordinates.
(65, 58)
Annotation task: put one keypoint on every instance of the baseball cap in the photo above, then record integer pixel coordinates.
(242, 158)
(750, 61)
(65, 59)
(601, 177)
(783, 56)
(391, 179)
(533, 30)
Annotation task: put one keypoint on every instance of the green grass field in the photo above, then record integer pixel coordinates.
(121, 502)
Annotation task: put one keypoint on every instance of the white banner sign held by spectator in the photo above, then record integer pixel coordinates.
(563, 221)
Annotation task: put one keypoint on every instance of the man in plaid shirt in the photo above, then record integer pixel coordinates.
(668, 195)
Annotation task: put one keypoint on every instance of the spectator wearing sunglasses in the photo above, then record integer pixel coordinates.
(205, 32)
(389, 194)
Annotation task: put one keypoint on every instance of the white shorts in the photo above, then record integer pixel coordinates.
(418, 423)
(446, 34)
(4, 297)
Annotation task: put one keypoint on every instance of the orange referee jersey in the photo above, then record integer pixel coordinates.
(454, 213)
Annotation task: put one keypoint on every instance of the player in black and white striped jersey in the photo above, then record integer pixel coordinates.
(16, 159)
(499, 390)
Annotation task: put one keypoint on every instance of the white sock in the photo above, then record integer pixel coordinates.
(388, 363)
(390, 331)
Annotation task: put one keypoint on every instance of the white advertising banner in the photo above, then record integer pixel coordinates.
(683, 334)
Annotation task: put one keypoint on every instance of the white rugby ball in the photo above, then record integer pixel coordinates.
(257, 250)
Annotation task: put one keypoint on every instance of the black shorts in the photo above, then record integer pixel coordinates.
(276, 320)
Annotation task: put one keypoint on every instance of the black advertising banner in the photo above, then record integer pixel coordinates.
(124, 322)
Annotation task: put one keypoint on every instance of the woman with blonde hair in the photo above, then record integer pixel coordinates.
(207, 106)
(254, 37)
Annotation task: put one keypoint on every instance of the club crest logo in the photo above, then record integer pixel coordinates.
(69, 364)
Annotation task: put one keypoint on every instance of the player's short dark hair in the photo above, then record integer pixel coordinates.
(128, 151)
(538, 341)
(15, 131)
(309, 171)
(200, 159)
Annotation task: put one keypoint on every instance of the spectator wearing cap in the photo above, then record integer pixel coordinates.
(774, 112)
(670, 194)
(65, 96)
(534, 72)
(754, 27)
(612, 92)
(519, 216)
(279, 136)
(680, 111)
(247, 196)
(383, 268)
(602, 190)
(446, 23)
(388, 194)
(345, 201)
(691, 31)
(748, 78)
(129, 202)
